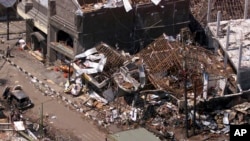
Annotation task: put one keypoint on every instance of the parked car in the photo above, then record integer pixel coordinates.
(17, 98)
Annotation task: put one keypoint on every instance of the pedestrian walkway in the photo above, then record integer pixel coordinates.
(52, 83)
(15, 27)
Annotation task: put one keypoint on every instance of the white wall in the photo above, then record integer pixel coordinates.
(43, 2)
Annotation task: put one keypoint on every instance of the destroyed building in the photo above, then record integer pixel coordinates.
(231, 39)
(169, 62)
(77, 25)
(204, 12)
(112, 24)
(149, 87)
(220, 30)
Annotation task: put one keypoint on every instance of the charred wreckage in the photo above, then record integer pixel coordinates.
(169, 83)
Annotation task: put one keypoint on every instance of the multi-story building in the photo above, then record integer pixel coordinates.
(71, 26)
(35, 14)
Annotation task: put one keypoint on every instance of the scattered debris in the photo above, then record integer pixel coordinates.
(148, 87)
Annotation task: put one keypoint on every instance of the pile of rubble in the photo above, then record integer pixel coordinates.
(218, 121)
(15, 126)
(116, 3)
(148, 88)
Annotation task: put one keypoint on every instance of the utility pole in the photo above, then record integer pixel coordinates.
(185, 79)
(208, 11)
(69, 72)
(7, 13)
(185, 92)
(246, 9)
(41, 120)
(194, 116)
(134, 5)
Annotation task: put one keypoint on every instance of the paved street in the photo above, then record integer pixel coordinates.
(15, 27)
(61, 116)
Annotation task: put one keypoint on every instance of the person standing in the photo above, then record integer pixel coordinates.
(8, 51)
(6, 92)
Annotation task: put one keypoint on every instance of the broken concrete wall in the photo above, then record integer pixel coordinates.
(214, 87)
(112, 26)
(65, 11)
(230, 9)
(135, 29)
(244, 79)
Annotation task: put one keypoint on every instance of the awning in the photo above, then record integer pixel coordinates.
(38, 35)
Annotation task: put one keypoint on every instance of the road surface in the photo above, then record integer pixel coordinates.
(73, 124)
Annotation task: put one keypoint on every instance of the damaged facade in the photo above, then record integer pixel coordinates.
(74, 25)
(151, 86)
(35, 14)
(129, 88)
(204, 12)
(200, 8)
(231, 39)
(169, 63)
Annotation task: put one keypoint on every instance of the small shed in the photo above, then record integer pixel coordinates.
(140, 134)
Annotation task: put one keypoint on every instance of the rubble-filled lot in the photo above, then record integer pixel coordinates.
(148, 89)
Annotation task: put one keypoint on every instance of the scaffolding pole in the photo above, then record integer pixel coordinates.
(246, 9)
(8, 22)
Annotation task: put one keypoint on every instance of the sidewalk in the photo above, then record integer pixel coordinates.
(52, 84)
(50, 81)
(15, 27)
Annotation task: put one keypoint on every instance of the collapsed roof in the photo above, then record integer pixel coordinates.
(163, 62)
(165, 58)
